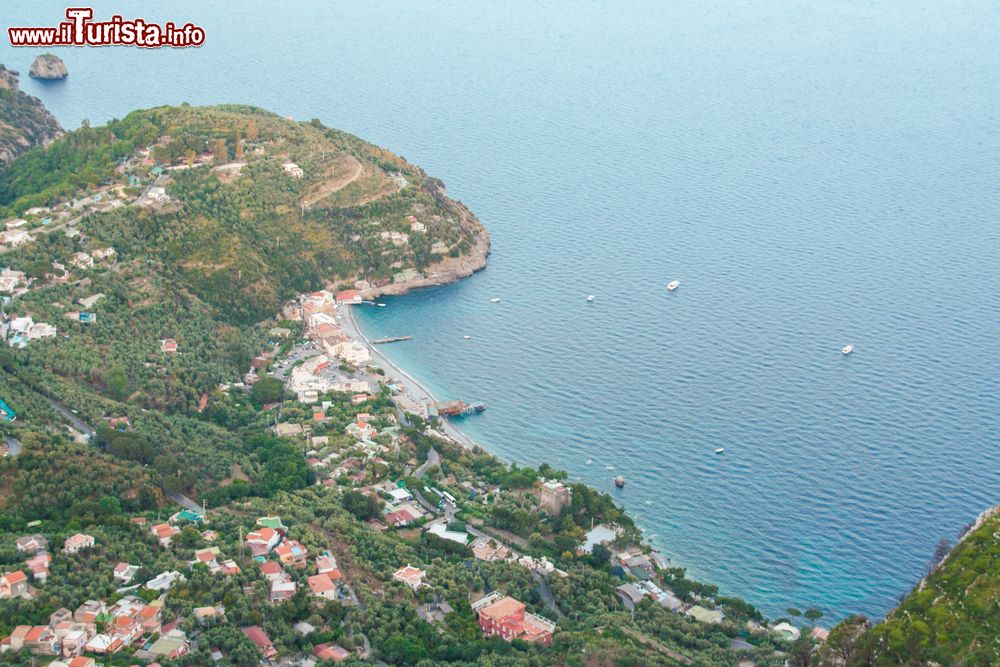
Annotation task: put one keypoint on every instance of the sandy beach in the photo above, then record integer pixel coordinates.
(411, 386)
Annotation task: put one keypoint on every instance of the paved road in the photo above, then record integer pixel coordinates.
(433, 459)
(71, 416)
(546, 593)
(181, 499)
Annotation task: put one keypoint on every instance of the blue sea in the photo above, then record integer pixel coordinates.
(814, 173)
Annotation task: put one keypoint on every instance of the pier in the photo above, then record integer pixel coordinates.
(456, 408)
(396, 339)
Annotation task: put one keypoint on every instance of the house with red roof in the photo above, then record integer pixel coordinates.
(272, 571)
(209, 557)
(124, 572)
(325, 563)
(330, 651)
(411, 576)
(39, 639)
(322, 586)
(164, 533)
(81, 661)
(361, 430)
(348, 297)
(262, 541)
(38, 565)
(125, 628)
(149, 618)
(14, 585)
(77, 543)
(229, 568)
(292, 553)
(503, 616)
(256, 634)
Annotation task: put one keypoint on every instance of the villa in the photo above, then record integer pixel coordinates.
(411, 576)
(322, 586)
(77, 543)
(503, 616)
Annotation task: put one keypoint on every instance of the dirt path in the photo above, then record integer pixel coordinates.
(349, 171)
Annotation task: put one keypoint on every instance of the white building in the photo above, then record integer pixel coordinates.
(350, 351)
(293, 169)
(15, 237)
(164, 580)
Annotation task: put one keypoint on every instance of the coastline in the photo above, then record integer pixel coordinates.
(411, 385)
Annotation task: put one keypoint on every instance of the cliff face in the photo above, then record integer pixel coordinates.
(48, 66)
(24, 121)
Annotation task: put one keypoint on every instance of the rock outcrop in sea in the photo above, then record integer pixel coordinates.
(48, 66)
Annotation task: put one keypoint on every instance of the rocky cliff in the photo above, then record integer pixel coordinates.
(24, 121)
(48, 66)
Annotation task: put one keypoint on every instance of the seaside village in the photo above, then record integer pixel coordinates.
(273, 565)
(323, 365)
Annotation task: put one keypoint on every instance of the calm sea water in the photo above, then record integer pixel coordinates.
(813, 173)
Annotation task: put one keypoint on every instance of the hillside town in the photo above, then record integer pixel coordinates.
(211, 467)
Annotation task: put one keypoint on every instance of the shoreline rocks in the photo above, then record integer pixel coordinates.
(24, 120)
(49, 67)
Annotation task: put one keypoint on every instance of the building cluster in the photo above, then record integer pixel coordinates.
(102, 629)
(20, 331)
(401, 510)
(269, 539)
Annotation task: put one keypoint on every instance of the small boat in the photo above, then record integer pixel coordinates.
(380, 305)
(847, 349)
(466, 337)
(619, 481)
(589, 461)
(590, 297)
(672, 285)
(720, 450)
(495, 299)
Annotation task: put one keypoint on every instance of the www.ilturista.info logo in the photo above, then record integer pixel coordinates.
(80, 30)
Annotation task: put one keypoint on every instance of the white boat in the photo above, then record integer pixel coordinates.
(672, 285)
(495, 299)
(591, 297)
(847, 349)
(720, 450)
(466, 337)
(381, 305)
